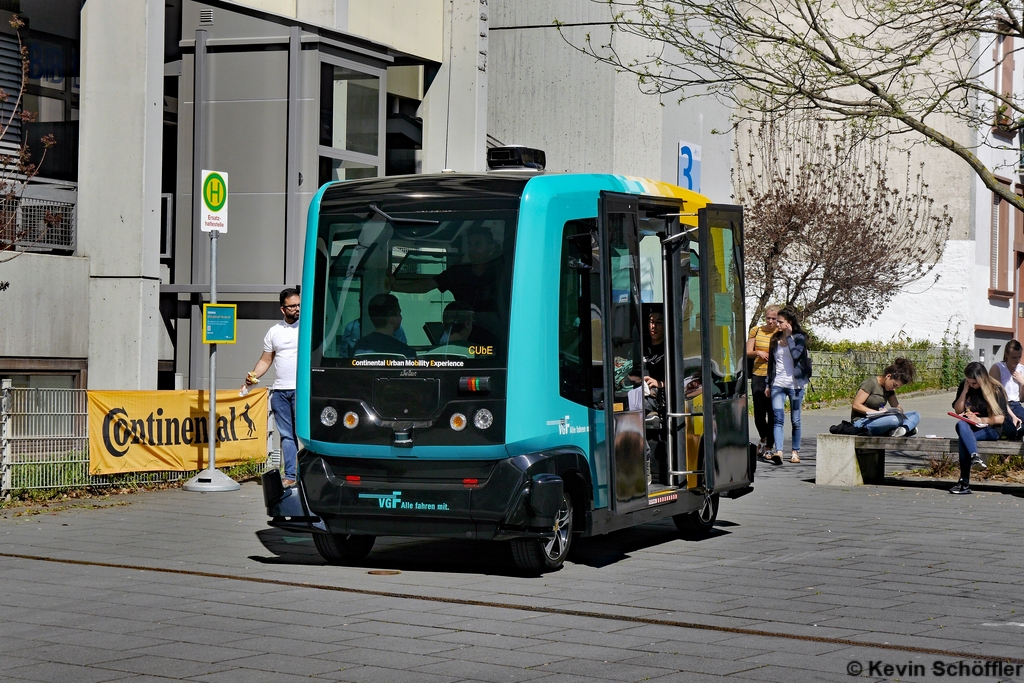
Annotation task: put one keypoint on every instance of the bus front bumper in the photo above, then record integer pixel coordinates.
(490, 500)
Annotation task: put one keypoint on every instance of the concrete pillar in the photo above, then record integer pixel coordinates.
(119, 187)
(455, 107)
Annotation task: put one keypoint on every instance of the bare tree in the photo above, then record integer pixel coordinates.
(16, 170)
(825, 229)
(913, 66)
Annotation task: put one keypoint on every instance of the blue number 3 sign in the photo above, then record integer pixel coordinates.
(689, 166)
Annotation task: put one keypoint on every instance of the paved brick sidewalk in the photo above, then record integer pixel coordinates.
(819, 566)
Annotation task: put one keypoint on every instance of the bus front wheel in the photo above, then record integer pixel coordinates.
(343, 548)
(698, 524)
(544, 555)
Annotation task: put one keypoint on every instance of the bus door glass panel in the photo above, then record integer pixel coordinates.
(623, 376)
(725, 369)
(653, 321)
(580, 367)
(683, 328)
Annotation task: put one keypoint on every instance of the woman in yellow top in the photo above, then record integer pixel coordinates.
(757, 349)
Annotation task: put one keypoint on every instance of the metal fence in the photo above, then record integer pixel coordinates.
(44, 443)
(38, 224)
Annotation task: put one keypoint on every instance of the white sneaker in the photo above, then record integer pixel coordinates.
(899, 431)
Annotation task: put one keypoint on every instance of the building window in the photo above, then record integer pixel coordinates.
(999, 245)
(351, 118)
(52, 94)
(349, 109)
(341, 169)
(1002, 55)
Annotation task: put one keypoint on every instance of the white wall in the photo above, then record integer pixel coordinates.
(586, 117)
(46, 307)
(927, 308)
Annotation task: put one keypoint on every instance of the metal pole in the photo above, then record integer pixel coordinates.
(6, 434)
(212, 464)
(293, 232)
(198, 164)
(212, 479)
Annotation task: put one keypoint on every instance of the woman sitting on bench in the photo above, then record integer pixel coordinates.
(981, 400)
(869, 405)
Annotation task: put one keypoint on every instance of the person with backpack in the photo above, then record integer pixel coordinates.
(876, 407)
(789, 371)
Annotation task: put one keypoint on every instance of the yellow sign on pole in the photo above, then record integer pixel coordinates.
(220, 323)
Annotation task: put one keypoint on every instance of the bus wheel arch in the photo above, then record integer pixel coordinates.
(343, 548)
(699, 523)
(536, 555)
(577, 489)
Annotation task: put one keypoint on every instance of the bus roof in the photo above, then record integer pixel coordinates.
(507, 186)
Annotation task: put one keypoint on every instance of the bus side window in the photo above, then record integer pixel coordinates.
(574, 311)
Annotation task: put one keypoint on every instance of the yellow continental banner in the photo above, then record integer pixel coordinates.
(149, 431)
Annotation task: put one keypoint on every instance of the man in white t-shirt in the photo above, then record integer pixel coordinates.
(281, 348)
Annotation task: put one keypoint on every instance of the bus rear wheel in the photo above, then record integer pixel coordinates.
(343, 548)
(545, 555)
(698, 524)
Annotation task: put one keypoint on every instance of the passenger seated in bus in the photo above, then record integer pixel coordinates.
(475, 282)
(654, 363)
(352, 334)
(654, 351)
(386, 316)
(458, 323)
(461, 334)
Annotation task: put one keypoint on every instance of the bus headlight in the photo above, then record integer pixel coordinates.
(351, 420)
(458, 422)
(328, 416)
(483, 419)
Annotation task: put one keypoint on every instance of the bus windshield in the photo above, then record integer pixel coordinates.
(431, 287)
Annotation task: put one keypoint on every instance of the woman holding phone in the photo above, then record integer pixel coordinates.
(789, 370)
(981, 400)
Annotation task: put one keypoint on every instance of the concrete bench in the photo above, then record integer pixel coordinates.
(843, 460)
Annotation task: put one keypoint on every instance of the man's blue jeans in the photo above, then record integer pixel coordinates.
(282, 402)
(883, 425)
(796, 398)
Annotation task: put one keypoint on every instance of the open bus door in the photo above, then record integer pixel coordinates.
(706, 355)
(621, 341)
(705, 360)
(727, 463)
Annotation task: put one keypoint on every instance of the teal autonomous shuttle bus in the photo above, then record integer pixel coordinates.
(475, 353)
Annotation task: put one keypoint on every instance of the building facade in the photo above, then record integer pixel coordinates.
(283, 95)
